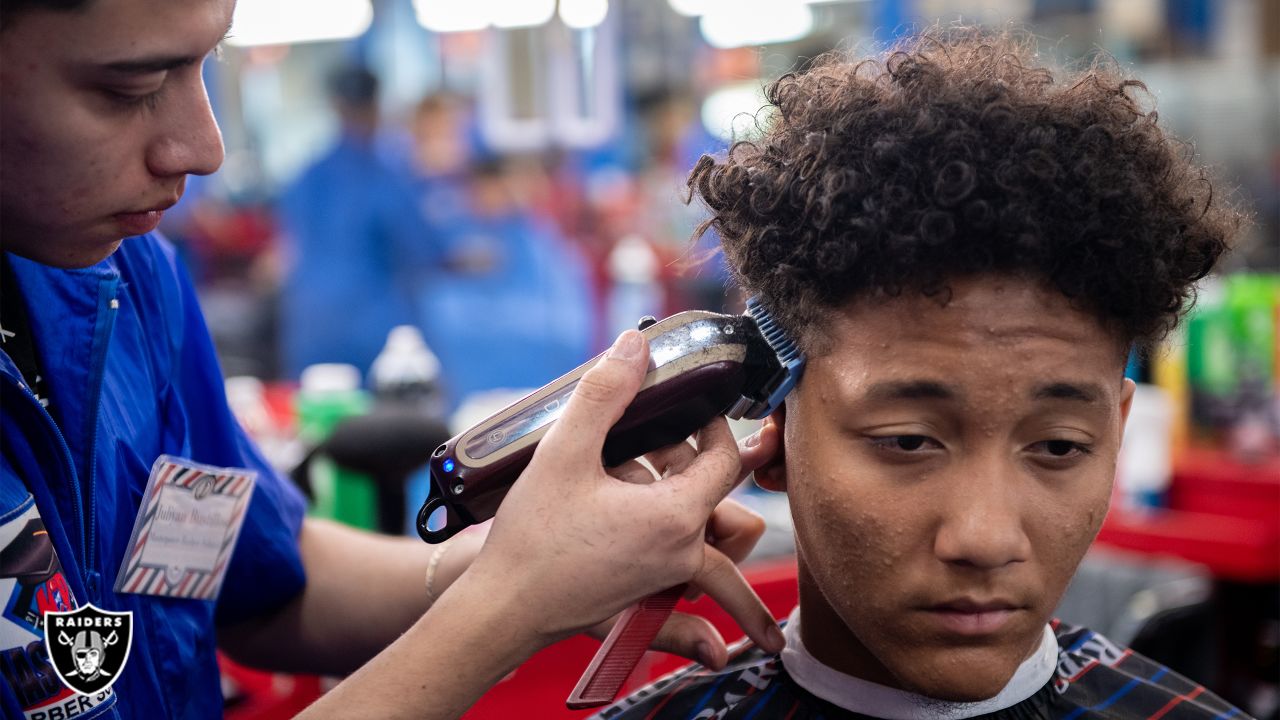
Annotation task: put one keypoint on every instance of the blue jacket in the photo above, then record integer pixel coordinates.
(132, 375)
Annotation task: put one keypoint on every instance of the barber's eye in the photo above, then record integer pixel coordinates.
(125, 100)
(149, 100)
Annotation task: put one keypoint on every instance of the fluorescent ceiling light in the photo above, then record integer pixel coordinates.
(518, 13)
(451, 15)
(689, 8)
(698, 8)
(583, 14)
(737, 23)
(283, 22)
(464, 15)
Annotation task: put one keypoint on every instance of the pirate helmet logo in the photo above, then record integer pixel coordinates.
(88, 647)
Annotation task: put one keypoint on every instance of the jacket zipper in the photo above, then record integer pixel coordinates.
(67, 464)
(101, 336)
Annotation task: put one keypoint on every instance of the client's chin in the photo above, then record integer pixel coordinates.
(965, 676)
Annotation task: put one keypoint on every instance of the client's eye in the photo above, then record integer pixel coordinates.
(909, 442)
(905, 443)
(1061, 449)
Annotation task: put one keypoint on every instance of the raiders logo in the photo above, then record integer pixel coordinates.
(88, 647)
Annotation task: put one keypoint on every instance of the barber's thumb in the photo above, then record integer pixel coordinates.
(602, 395)
(627, 347)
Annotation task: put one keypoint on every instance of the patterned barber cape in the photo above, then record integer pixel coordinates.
(1093, 678)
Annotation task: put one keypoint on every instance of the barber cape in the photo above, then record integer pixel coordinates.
(1076, 673)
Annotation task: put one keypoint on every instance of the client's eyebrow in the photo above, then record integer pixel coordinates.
(1084, 392)
(910, 390)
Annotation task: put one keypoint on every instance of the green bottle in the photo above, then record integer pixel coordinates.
(331, 392)
(1211, 359)
(1251, 300)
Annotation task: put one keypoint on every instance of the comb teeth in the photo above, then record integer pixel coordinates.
(782, 345)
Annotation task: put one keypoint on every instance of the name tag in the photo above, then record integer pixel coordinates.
(186, 529)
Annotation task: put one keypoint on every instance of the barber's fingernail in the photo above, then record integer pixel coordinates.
(705, 656)
(753, 439)
(774, 634)
(627, 346)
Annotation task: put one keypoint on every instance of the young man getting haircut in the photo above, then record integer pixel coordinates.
(966, 246)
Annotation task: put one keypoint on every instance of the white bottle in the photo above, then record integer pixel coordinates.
(635, 292)
(1144, 469)
(406, 369)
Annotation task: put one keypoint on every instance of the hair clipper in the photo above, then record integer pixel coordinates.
(701, 364)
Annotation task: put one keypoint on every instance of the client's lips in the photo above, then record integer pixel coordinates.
(968, 616)
(141, 222)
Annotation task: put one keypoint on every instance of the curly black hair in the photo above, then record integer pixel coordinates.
(957, 154)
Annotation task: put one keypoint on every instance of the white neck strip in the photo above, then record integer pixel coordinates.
(879, 701)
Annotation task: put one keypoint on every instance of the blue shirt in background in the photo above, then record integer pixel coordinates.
(521, 322)
(360, 246)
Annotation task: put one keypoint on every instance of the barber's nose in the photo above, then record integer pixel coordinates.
(190, 142)
(982, 523)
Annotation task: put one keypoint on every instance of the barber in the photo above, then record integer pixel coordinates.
(108, 376)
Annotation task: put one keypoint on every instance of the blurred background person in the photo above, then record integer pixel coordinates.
(513, 307)
(357, 244)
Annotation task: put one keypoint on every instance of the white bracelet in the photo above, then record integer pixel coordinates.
(431, 572)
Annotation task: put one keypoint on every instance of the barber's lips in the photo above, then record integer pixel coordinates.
(139, 223)
(972, 618)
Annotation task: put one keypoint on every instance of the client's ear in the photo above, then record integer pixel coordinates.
(773, 474)
(1126, 404)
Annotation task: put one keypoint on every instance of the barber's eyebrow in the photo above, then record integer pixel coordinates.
(911, 390)
(158, 63)
(146, 65)
(1083, 392)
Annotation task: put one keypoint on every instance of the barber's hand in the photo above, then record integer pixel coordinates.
(732, 533)
(578, 545)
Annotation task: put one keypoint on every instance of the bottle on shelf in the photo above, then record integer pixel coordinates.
(329, 394)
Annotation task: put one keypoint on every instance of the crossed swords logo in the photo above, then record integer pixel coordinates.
(88, 648)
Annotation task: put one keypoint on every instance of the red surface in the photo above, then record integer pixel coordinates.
(1223, 513)
(261, 695)
(537, 688)
(545, 681)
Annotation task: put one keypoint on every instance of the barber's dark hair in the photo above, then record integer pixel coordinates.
(10, 9)
(955, 154)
